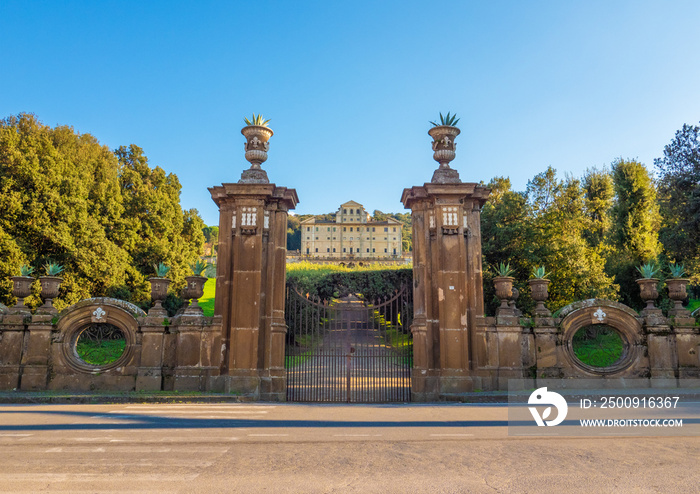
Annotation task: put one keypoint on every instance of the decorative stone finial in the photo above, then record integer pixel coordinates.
(444, 147)
(257, 135)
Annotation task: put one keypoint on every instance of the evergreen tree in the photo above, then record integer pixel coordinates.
(68, 199)
(635, 227)
(679, 198)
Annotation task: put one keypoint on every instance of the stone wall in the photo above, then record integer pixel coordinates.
(38, 350)
(658, 349)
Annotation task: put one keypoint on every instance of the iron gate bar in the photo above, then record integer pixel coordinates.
(348, 350)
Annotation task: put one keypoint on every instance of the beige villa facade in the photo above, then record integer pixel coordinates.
(353, 235)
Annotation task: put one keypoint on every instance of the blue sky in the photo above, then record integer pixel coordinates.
(350, 86)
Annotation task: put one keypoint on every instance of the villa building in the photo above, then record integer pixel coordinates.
(353, 235)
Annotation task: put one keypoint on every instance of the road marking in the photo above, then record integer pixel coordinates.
(357, 435)
(187, 412)
(452, 435)
(91, 477)
(168, 407)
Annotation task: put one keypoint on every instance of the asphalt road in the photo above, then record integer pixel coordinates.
(187, 448)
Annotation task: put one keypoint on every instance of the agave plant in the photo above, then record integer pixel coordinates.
(677, 270)
(161, 270)
(52, 268)
(26, 270)
(449, 120)
(539, 273)
(257, 120)
(503, 269)
(198, 267)
(648, 270)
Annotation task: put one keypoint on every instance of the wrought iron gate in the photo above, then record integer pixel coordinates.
(349, 350)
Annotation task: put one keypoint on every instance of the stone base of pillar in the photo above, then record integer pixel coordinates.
(663, 381)
(454, 383)
(425, 386)
(273, 387)
(245, 384)
(9, 377)
(34, 377)
(149, 379)
(193, 378)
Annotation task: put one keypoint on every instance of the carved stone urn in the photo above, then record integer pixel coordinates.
(159, 290)
(21, 288)
(194, 289)
(504, 289)
(540, 293)
(677, 292)
(444, 148)
(256, 147)
(49, 290)
(648, 291)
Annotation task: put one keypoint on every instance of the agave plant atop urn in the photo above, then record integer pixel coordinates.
(257, 134)
(677, 289)
(22, 287)
(50, 285)
(195, 285)
(647, 284)
(159, 288)
(503, 283)
(538, 286)
(444, 148)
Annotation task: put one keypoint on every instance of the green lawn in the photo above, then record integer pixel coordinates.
(207, 300)
(598, 347)
(100, 352)
(693, 304)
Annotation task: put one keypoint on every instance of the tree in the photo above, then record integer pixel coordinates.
(154, 228)
(599, 194)
(679, 198)
(543, 226)
(635, 226)
(65, 197)
(211, 238)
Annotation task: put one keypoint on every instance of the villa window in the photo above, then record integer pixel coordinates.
(316, 249)
(386, 229)
(345, 211)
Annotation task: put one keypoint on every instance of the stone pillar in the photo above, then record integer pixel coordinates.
(12, 334)
(546, 351)
(688, 348)
(661, 345)
(447, 284)
(250, 280)
(35, 361)
(197, 351)
(150, 373)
